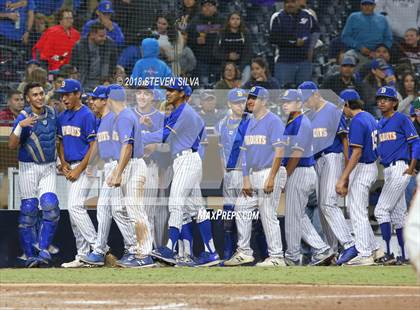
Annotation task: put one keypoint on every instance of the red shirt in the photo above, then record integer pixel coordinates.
(56, 42)
(6, 117)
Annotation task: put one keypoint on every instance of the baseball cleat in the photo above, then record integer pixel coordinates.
(51, 248)
(361, 261)
(164, 254)
(322, 259)
(75, 264)
(186, 261)
(239, 259)
(94, 259)
(32, 262)
(207, 259)
(378, 254)
(402, 261)
(386, 260)
(44, 257)
(347, 255)
(290, 262)
(272, 262)
(137, 262)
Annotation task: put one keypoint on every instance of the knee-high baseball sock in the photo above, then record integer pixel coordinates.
(207, 236)
(173, 237)
(386, 235)
(400, 237)
(187, 238)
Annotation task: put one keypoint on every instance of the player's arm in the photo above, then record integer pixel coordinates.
(19, 127)
(293, 161)
(345, 141)
(410, 133)
(275, 166)
(342, 184)
(246, 187)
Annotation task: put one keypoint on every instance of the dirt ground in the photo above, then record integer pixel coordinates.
(204, 296)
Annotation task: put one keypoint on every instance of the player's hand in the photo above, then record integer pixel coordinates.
(114, 180)
(64, 168)
(247, 188)
(411, 172)
(73, 174)
(341, 187)
(300, 42)
(29, 121)
(13, 16)
(269, 185)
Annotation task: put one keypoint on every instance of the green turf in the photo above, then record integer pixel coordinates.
(296, 275)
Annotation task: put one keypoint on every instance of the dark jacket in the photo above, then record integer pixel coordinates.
(208, 26)
(337, 85)
(108, 58)
(239, 42)
(286, 28)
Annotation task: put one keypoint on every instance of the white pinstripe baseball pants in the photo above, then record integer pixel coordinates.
(329, 168)
(81, 224)
(132, 186)
(299, 186)
(232, 186)
(361, 180)
(36, 179)
(267, 205)
(391, 206)
(105, 211)
(151, 191)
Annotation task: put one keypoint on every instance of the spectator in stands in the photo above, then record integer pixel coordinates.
(95, 57)
(56, 103)
(234, 44)
(16, 21)
(202, 35)
(409, 49)
(40, 25)
(261, 76)
(190, 9)
(382, 52)
(344, 79)
(293, 31)
(104, 12)
(38, 75)
(69, 71)
(230, 77)
(120, 75)
(381, 74)
(150, 65)
(208, 112)
(409, 90)
(30, 66)
(48, 7)
(15, 104)
(56, 84)
(303, 4)
(57, 42)
(401, 14)
(365, 30)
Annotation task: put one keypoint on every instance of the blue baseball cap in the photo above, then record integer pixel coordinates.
(237, 95)
(307, 88)
(348, 61)
(69, 86)
(105, 7)
(367, 2)
(116, 92)
(349, 95)
(175, 84)
(188, 90)
(387, 92)
(99, 92)
(291, 95)
(258, 92)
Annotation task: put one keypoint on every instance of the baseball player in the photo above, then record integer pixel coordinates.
(302, 181)
(34, 132)
(151, 120)
(412, 229)
(263, 181)
(105, 210)
(330, 151)
(227, 130)
(358, 177)
(77, 133)
(130, 175)
(399, 150)
(183, 129)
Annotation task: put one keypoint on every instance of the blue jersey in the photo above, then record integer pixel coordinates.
(183, 130)
(127, 130)
(76, 129)
(106, 147)
(395, 134)
(298, 136)
(327, 125)
(363, 133)
(37, 143)
(261, 137)
(227, 130)
(157, 123)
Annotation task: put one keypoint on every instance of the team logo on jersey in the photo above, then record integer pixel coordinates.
(71, 131)
(387, 136)
(103, 136)
(320, 132)
(255, 139)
